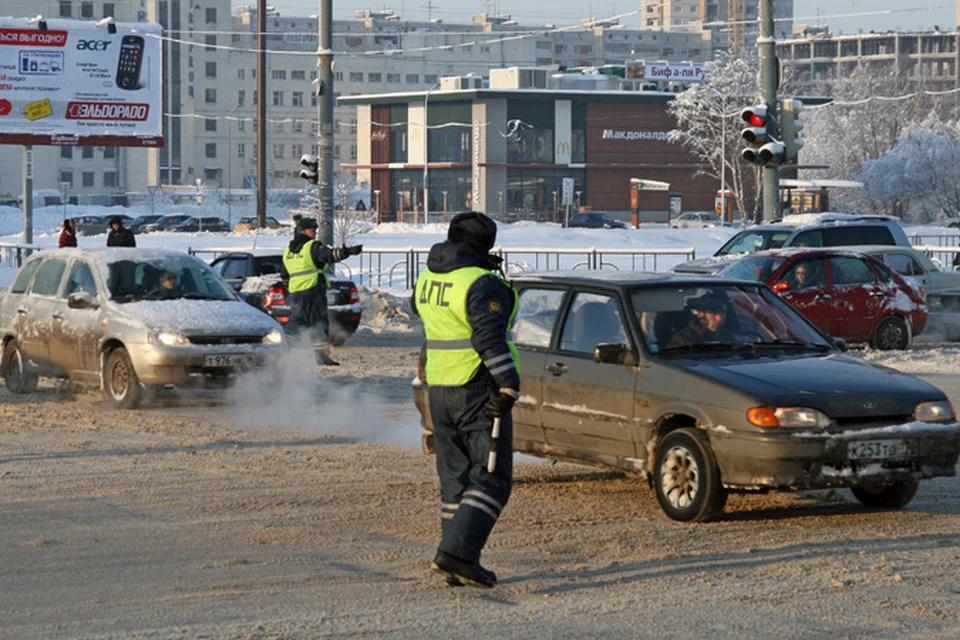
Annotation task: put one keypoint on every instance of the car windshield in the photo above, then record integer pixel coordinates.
(165, 278)
(753, 240)
(757, 268)
(709, 318)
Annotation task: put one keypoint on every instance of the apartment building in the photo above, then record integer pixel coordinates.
(733, 22)
(210, 84)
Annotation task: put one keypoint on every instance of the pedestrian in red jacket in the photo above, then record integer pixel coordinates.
(68, 237)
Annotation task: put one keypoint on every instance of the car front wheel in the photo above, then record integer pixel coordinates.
(887, 496)
(15, 374)
(122, 387)
(687, 478)
(892, 333)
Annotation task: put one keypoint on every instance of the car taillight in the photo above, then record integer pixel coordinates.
(354, 295)
(274, 295)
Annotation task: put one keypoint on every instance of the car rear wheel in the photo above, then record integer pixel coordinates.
(891, 333)
(122, 387)
(15, 374)
(687, 478)
(887, 496)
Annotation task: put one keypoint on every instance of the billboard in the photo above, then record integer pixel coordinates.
(67, 82)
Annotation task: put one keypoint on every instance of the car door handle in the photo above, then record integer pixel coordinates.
(557, 369)
(877, 294)
(57, 316)
(824, 296)
(22, 310)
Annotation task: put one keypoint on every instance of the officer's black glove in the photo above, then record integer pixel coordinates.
(500, 403)
(355, 249)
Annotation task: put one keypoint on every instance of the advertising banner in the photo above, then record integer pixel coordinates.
(67, 82)
(666, 71)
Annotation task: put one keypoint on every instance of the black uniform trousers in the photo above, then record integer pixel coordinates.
(471, 498)
(308, 312)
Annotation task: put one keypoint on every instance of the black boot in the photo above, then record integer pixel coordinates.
(464, 572)
(323, 358)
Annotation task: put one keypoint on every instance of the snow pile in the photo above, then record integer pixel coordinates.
(259, 284)
(385, 310)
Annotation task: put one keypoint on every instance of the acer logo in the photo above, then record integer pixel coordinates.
(93, 45)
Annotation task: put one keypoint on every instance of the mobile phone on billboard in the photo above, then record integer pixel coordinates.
(131, 58)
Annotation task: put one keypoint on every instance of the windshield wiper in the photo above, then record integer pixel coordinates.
(130, 297)
(712, 345)
(795, 345)
(194, 295)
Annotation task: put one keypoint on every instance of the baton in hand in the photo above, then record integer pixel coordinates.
(494, 434)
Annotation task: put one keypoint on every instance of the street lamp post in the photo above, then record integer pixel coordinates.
(500, 204)
(444, 203)
(199, 204)
(63, 197)
(578, 200)
(556, 210)
(426, 157)
(230, 165)
(376, 206)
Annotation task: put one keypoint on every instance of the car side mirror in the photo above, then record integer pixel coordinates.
(614, 353)
(81, 300)
(781, 287)
(840, 343)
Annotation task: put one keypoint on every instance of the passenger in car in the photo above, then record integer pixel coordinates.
(168, 286)
(806, 276)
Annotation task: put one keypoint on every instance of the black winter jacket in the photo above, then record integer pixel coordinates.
(121, 237)
(489, 306)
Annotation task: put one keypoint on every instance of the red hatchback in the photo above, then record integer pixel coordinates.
(845, 294)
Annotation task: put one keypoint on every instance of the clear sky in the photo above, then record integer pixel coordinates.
(846, 16)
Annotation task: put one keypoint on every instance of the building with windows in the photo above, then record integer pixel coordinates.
(732, 22)
(210, 84)
(507, 148)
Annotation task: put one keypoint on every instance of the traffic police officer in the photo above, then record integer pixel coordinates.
(304, 262)
(471, 367)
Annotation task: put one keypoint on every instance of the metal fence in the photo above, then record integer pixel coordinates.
(13, 254)
(400, 266)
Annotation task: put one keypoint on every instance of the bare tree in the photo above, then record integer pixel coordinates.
(709, 125)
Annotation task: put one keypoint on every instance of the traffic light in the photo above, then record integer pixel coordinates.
(764, 149)
(312, 172)
(790, 126)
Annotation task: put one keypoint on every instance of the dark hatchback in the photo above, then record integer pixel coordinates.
(595, 221)
(256, 277)
(211, 224)
(611, 377)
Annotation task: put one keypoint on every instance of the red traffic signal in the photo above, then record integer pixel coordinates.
(756, 134)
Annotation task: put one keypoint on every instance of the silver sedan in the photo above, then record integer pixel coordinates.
(127, 321)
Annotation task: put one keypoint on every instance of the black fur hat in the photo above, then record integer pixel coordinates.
(474, 229)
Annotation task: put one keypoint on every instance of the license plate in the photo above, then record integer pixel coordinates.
(229, 360)
(332, 297)
(881, 449)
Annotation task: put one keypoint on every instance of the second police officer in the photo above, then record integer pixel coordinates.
(471, 366)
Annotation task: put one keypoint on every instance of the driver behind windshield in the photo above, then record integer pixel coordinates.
(708, 322)
(168, 286)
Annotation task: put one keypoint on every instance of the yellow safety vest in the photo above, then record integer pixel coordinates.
(442, 305)
(303, 273)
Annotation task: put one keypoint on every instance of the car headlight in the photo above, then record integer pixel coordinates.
(934, 302)
(787, 417)
(936, 411)
(169, 338)
(274, 337)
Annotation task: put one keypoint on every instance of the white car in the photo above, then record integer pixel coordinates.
(129, 321)
(942, 286)
(696, 220)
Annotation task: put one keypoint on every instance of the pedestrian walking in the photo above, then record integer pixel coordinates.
(119, 235)
(68, 237)
(467, 309)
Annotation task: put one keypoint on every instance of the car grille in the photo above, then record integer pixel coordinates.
(226, 339)
(873, 421)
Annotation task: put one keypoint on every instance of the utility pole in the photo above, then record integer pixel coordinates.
(769, 81)
(28, 195)
(261, 113)
(325, 118)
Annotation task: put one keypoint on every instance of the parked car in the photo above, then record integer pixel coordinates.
(942, 286)
(139, 223)
(103, 319)
(778, 405)
(211, 224)
(845, 294)
(256, 277)
(250, 223)
(166, 222)
(595, 221)
(91, 225)
(696, 220)
(804, 230)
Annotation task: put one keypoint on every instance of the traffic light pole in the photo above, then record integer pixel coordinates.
(325, 120)
(766, 46)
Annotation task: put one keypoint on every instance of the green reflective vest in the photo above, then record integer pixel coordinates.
(303, 273)
(442, 305)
